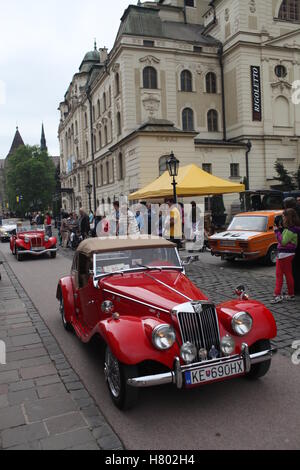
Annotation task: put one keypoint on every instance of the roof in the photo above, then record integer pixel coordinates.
(17, 142)
(141, 21)
(103, 245)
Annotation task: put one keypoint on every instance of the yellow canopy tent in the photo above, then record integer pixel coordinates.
(191, 181)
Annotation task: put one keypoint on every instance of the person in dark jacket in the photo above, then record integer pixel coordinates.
(291, 203)
(84, 224)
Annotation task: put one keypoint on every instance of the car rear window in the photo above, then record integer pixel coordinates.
(251, 224)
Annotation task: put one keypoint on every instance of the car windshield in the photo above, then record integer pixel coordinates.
(251, 224)
(9, 222)
(127, 260)
(29, 228)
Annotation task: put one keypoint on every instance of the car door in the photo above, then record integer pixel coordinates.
(88, 295)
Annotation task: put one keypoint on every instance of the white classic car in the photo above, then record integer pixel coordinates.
(8, 227)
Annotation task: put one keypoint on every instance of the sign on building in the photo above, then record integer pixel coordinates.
(256, 93)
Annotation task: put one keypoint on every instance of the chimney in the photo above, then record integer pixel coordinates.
(103, 54)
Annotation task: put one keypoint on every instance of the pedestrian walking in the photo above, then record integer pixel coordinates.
(48, 225)
(64, 230)
(84, 224)
(287, 246)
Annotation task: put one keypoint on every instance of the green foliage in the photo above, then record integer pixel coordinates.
(30, 175)
(284, 177)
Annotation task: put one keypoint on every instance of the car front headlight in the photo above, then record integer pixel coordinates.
(227, 345)
(188, 352)
(163, 337)
(26, 239)
(242, 323)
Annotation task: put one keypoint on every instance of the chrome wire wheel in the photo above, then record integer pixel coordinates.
(112, 373)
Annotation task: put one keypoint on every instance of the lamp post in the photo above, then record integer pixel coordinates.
(89, 189)
(173, 169)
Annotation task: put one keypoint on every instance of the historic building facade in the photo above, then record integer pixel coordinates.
(200, 78)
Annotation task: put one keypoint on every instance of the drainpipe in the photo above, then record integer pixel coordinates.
(249, 147)
(220, 54)
(88, 94)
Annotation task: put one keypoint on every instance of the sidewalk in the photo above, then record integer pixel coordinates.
(43, 403)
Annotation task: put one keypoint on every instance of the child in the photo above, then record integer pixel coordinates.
(287, 246)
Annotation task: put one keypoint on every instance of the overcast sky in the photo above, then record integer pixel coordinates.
(42, 44)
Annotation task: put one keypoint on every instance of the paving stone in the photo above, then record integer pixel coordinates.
(67, 440)
(49, 380)
(23, 396)
(80, 394)
(4, 401)
(3, 389)
(110, 443)
(74, 386)
(39, 371)
(51, 390)
(21, 331)
(8, 377)
(25, 340)
(23, 385)
(102, 431)
(89, 446)
(65, 423)
(23, 435)
(11, 417)
(28, 446)
(49, 407)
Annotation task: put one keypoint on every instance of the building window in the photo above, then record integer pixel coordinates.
(280, 71)
(211, 83)
(150, 78)
(188, 119)
(234, 170)
(121, 171)
(98, 108)
(189, 3)
(105, 136)
(212, 121)
(148, 43)
(79, 184)
(117, 83)
(207, 167)
(290, 10)
(76, 127)
(163, 164)
(87, 149)
(100, 139)
(85, 120)
(101, 175)
(107, 173)
(186, 81)
(104, 101)
(119, 126)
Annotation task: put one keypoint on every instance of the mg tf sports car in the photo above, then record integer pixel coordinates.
(250, 236)
(32, 241)
(157, 326)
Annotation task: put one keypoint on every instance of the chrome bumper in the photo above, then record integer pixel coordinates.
(176, 377)
(39, 253)
(237, 254)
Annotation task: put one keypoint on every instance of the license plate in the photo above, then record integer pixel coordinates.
(210, 374)
(227, 243)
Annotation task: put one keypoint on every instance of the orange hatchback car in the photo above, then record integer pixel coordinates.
(250, 236)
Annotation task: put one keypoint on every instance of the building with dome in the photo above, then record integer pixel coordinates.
(209, 80)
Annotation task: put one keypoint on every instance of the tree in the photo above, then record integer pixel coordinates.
(284, 177)
(30, 180)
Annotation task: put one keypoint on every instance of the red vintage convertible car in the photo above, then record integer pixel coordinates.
(32, 241)
(157, 326)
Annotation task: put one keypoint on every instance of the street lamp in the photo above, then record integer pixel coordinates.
(89, 189)
(173, 169)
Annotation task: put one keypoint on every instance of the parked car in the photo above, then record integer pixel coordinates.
(156, 325)
(250, 236)
(7, 228)
(33, 241)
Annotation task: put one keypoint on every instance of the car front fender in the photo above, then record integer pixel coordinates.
(129, 339)
(264, 325)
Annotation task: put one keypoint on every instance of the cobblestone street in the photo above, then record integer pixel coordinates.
(43, 403)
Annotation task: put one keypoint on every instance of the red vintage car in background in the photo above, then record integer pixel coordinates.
(33, 241)
(157, 326)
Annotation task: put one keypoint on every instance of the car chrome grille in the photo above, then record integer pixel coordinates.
(200, 329)
(36, 243)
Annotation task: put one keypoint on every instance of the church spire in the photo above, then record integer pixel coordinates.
(17, 142)
(43, 140)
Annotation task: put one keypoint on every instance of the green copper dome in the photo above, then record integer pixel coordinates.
(90, 58)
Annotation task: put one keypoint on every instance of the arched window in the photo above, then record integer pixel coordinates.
(105, 135)
(104, 101)
(107, 173)
(100, 139)
(186, 81)
(290, 10)
(101, 177)
(211, 83)
(79, 184)
(117, 83)
(212, 121)
(119, 127)
(150, 78)
(121, 170)
(87, 149)
(76, 127)
(188, 119)
(77, 153)
(95, 142)
(163, 164)
(98, 108)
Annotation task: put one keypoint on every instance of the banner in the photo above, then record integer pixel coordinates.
(256, 93)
